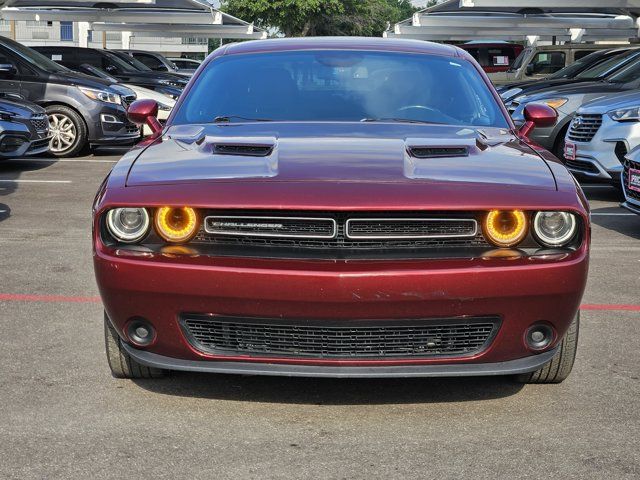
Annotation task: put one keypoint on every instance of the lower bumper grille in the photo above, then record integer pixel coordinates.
(353, 339)
(582, 166)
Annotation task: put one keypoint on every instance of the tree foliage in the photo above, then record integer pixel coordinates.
(300, 18)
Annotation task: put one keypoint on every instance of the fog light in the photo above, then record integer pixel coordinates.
(539, 336)
(140, 332)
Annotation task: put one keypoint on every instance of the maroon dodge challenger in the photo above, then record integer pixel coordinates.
(341, 207)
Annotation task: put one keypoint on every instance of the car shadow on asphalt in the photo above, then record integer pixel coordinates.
(321, 391)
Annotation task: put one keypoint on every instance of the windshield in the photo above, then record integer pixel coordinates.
(520, 59)
(118, 62)
(572, 70)
(603, 69)
(341, 86)
(35, 58)
(628, 74)
(137, 64)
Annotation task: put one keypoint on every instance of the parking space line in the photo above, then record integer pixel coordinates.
(20, 180)
(614, 214)
(17, 297)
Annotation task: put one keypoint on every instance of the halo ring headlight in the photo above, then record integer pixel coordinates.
(505, 228)
(128, 225)
(553, 228)
(176, 224)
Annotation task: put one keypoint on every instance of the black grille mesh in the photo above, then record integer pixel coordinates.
(351, 339)
(40, 123)
(341, 243)
(581, 165)
(584, 127)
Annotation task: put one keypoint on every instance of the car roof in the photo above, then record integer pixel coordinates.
(343, 43)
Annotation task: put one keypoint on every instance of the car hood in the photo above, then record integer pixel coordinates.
(340, 152)
(612, 102)
(582, 88)
(18, 107)
(75, 78)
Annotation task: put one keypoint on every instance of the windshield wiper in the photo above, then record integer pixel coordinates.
(398, 120)
(229, 118)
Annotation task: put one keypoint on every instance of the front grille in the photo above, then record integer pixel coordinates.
(131, 128)
(333, 339)
(127, 100)
(582, 166)
(628, 164)
(584, 127)
(40, 123)
(325, 235)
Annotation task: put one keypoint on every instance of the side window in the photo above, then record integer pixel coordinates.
(7, 57)
(546, 63)
(150, 61)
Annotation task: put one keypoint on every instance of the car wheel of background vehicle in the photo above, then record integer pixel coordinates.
(558, 147)
(120, 362)
(69, 134)
(559, 367)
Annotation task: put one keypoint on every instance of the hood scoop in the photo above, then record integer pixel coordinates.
(243, 149)
(422, 152)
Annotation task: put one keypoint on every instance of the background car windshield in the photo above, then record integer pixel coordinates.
(341, 86)
(119, 63)
(520, 59)
(628, 74)
(570, 70)
(602, 69)
(35, 58)
(137, 64)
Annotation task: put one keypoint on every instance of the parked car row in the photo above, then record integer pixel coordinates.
(81, 93)
(597, 132)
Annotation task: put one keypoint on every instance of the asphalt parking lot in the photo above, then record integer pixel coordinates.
(63, 415)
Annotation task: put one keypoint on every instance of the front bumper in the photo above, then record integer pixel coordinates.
(601, 158)
(110, 126)
(521, 292)
(512, 367)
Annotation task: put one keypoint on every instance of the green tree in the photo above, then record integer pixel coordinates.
(299, 18)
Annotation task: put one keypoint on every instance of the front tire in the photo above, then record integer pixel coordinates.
(69, 133)
(120, 362)
(559, 367)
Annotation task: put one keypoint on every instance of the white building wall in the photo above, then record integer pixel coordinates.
(33, 33)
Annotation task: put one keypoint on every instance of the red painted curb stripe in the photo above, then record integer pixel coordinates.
(628, 308)
(16, 297)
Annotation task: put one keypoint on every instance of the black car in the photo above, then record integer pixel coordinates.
(82, 110)
(155, 61)
(24, 128)
(595, 66)
(75, 57)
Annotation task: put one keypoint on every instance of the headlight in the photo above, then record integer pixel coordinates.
(554, 229)
(176, 225)
(555, 102)
(128, 225)
(101, 95)
(626, 114)
(505, 228)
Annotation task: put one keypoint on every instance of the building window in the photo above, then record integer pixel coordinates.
(66, 31)
(33, 23)
(194, 41)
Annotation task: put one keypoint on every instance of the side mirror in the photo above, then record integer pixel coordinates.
(8, 69)
(145, 111)
(537, 115)
(530, 69)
